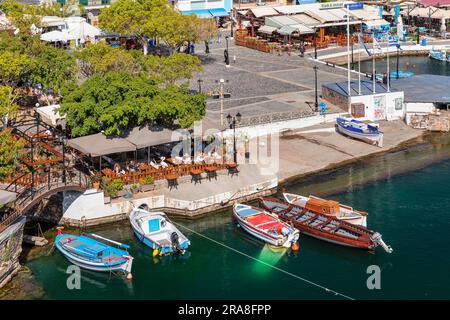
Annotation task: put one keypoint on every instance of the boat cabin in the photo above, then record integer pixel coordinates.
(323, 206)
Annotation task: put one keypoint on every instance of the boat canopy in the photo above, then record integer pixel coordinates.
(322, 206)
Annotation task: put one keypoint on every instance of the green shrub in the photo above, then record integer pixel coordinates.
(112, 188)
(146, 180)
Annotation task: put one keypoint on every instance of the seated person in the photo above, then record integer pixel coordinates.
(154, 165)
(178, 160)
(186, 159)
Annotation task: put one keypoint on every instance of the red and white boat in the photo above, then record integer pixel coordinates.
(265, 226)
(329, 208)
(324, 227)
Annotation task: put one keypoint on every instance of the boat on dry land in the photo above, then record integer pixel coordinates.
(265, 226)
(329, 208)
(325, 227)
(360, 130)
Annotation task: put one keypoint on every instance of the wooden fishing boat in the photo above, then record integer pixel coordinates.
(88, 253)
(329, 208)
(265, 226)
(325, 227)
(155, 230)
(360, 130)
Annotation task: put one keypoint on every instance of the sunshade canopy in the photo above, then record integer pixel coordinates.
(7, 197)
(98, 145)
(147, 136)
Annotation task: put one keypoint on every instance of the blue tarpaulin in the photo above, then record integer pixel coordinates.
(219, 12)
(208, 13)
(202, 13)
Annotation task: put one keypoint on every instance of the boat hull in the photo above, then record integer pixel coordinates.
(360, 220)
(362, 242)
(263, 236)
(369, 138)
(147, 239)
(124, 265)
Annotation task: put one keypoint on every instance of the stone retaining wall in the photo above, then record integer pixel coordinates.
(10, 249)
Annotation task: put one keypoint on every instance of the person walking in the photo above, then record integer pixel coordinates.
(302, 50)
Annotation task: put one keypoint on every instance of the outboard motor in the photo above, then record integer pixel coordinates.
(174, 238)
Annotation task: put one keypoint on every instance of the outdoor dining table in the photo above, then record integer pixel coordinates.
(211, 172)
(172, 180)
(196, 175)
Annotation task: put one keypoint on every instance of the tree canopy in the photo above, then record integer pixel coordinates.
(114, 102)
(154, 19)
(11, 149)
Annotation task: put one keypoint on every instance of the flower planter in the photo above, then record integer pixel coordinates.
(147, 187)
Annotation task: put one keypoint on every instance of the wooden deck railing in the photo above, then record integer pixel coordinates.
(162, 173)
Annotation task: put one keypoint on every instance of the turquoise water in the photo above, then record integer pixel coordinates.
(415, 64)
(410, 209)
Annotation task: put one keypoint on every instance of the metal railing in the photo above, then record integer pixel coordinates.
(273, 117)
(30, 188)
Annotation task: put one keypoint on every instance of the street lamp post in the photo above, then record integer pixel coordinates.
(315, 44)
(233, 121)
(221, 97)
(316, 102)
(227, 58)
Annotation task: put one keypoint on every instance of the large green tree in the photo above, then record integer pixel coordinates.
(11, 149)
(118, 100)
(101, 58)
(177, 66)
(8, 106)
(148, 19)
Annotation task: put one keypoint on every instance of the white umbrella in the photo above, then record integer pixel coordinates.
(400, 28)
(55, 35)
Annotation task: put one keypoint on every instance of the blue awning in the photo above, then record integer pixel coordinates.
(202, 13)
(219, 12)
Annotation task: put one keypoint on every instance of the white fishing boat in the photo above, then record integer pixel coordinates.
(155, 230)
(265, 226)
(329, 208)
(360, 130)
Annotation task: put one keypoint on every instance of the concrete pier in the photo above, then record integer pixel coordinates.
(188, 199)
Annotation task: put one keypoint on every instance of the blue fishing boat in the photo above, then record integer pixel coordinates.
(88, 253)
(265, 226)
(441, 55)
(401, 75)
(360, 130)
(155, 230)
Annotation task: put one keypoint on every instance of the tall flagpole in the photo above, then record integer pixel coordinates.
(388, 72)
(348, 57)
(359, 72)
(373, 63)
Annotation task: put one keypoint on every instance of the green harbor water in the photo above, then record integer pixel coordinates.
(407, 195)
(414, 64)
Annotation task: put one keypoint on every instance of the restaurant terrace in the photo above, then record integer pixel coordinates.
(295, 24)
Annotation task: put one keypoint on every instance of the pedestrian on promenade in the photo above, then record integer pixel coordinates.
(302, 50)
(226, 57)
(206, 47)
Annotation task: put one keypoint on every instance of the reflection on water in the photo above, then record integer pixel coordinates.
(271, 255)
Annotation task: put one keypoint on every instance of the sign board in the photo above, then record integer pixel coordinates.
(354, 6)
(323, 107)
(331, 5)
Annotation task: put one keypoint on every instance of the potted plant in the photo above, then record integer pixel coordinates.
(147, 184)
(112, 188)
(134, 188)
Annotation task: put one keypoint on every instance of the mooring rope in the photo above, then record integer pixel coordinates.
(267, 264)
